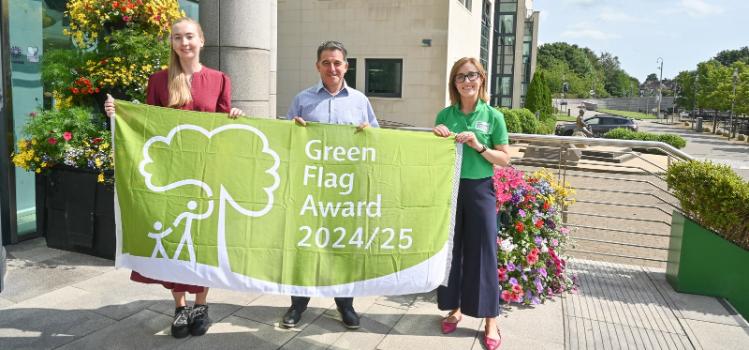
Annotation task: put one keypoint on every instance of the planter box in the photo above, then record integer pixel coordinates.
(75, 212)
(701, 262)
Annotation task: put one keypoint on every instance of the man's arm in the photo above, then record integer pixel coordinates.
(371, 119)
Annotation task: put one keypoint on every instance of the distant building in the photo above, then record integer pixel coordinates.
(401, 52)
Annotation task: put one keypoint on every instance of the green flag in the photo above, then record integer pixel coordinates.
(270, 206)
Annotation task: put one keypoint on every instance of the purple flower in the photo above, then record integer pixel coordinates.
(554, 242)
(550, 224)
(538, 240)
(521, 212)
(542, 272)
(535, 300)
(513, 281)
(510, 266)
(524, 277)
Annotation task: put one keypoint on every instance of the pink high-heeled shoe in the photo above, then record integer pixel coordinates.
(491, 343)
(449, 327)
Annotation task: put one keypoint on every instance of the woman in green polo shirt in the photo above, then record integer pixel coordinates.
(473, 285)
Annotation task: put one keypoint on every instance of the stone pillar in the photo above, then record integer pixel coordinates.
(240, 40)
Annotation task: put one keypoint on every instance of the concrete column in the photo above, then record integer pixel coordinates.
(240, 40)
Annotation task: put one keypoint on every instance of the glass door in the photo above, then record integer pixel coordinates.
(25, 36)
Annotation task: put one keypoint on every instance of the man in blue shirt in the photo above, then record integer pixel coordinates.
(330, 101)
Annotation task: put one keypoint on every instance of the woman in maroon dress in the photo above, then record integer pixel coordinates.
(188, 85)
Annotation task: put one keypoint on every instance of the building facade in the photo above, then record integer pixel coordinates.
(400, 52)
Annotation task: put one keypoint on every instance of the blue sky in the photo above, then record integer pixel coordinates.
(682, 32)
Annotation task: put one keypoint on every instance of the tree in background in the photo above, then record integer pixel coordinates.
(728, 57)
(584, 71)
(538, 98)
(687, 92)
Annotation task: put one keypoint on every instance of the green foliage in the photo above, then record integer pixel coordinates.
(72, 136)
(714, 196)
(523, 121)
(512, 121)
(584, 71)
(627, 134)
(538, 98)
(729, 57)
(528, 121)
(687, 93)
(673, 140)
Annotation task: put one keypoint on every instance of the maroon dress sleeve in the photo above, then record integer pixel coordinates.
(224, 99)
(156, 89)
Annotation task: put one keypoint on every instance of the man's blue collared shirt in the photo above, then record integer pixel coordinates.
(349, 106)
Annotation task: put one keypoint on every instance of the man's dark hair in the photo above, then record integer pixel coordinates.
(331, 45)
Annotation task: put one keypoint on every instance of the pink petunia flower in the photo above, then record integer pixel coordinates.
(67, 135)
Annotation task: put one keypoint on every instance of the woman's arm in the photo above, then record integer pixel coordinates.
(500, 155)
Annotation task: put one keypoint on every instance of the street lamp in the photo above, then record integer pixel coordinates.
(733, 104)
(660, 86)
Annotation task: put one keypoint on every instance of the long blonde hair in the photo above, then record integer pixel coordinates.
(454, 94)
(179, 87)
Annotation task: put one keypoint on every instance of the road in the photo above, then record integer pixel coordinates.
(706, 146)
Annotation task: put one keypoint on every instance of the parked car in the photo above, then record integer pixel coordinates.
(598, 125)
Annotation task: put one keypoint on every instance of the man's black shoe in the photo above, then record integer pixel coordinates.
(181, 322)
(291, 318)
(349, 317)
(200, 320)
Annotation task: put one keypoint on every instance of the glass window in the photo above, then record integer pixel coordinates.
(506, 102)
(350, 76)
(508, 6)
(507, 24)
(593, 121)
(383, 77)
(191, 8)
(506, 87)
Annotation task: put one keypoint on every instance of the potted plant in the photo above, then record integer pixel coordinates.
(532, 237)
(709, 244)
(116, 46)
(70, 151)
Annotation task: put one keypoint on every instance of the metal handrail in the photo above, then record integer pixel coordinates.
(602, 229)
(574, 140)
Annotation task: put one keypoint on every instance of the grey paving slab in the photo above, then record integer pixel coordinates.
(537, 327)
(27, 279)
(5, 303)
(34, 250)
(419, 328)
(320, 334)
(269, 309)
(144, 330)
(47, 322)
(696, 307)
(114, 295)
(376, 322)
(240, 333)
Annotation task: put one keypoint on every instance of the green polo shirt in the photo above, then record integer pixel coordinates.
(487, 123)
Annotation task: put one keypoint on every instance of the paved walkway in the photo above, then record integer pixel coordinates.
(63, 300)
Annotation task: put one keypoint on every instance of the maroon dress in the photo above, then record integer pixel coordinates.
(211, 92)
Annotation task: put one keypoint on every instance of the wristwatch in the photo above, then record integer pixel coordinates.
(483, 149)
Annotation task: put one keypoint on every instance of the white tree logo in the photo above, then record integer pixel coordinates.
(224, 197)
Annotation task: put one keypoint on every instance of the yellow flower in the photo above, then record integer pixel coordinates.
(38, 170)
(104, 145)
(98, 162)
(100, 178)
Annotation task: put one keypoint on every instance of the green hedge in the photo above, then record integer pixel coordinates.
(714, 196)
(627, 134)
(523, 121)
